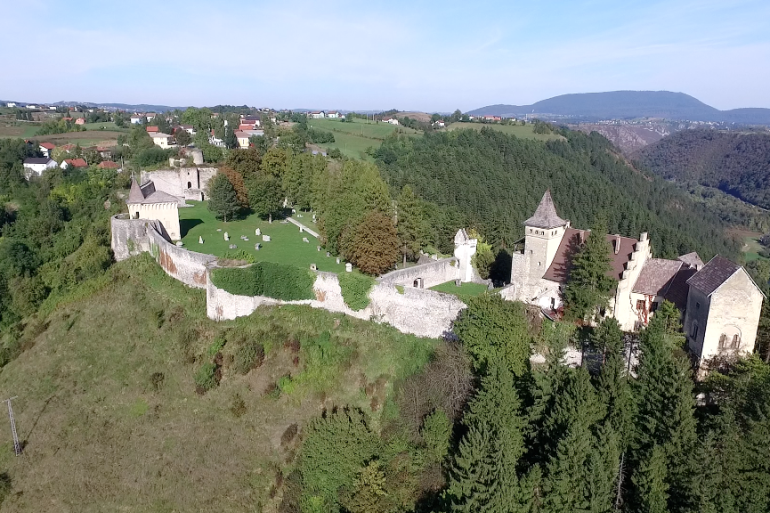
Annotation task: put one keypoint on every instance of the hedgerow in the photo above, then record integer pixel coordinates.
(268, 279)
(355, 289)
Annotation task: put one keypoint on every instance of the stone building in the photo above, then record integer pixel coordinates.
(187, 183)
(144, 202)
(719, 301)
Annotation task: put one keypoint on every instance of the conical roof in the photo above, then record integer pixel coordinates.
(545, 216)
(135, 195)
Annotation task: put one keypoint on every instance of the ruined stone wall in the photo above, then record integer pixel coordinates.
(186, 266)
(434, 273)
(129, 236)
(187, 183)
(424, 313)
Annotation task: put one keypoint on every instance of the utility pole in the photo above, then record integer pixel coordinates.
(16, 444)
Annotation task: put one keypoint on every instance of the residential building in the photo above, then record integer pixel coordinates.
(47, 148)
(392, 121)
(333, 114)
(162, 140)
(34, 165)
(318, 114)
(136, 119)
(439, 123)
(108, 164)
(10, 105)
(152, 129)
(76, 163)
(80, 121)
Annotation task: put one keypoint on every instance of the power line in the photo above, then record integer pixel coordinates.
(16, 444)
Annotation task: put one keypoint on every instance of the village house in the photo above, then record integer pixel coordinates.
(439, 123)
(108, 164)
(187, 128)
(10, 105)
(35, 165)
(144, 202)
(75, 163)
(47, 148)
(251, 121)
(80, 121)
(136, 119)
(318, 114)
(162, 140)
(216, 141)
(333, 114)
(243, 137)
(392, 121)
(719, 301)
(152, 130)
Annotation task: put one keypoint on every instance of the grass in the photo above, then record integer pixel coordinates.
(464, 291)
(103, 433)
(353, 139)
(108, 125)
(285, 247)
(524, 132)
(751, 248)
(18, 130)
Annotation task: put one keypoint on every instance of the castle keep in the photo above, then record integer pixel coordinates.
(720, 302)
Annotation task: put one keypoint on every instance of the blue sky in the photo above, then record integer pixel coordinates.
(432, 56)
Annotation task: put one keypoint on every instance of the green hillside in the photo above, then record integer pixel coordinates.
(111, 420)
(524, 132)
(734, 162)
(354, 138)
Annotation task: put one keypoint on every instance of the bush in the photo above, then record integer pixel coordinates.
(277, 281)
(206, 377)
(355, 289)
(151, 157)
(5, 486)
(240, 254)
(249, 355)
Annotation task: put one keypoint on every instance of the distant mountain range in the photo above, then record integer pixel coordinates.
(628, 105)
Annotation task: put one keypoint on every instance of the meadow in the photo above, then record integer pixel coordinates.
(524, 132)
(354, 138)
(285, 247)
(465, 291)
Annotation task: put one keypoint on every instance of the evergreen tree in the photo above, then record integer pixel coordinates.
(590, 286)
(650, 483)
(410, 224)
(223, 200)
(484, 476)
(612, 384)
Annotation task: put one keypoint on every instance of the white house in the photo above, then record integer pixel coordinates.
(216, 141)
(136, 119)
(333, 114)
(439, 123)
(162, 140)
(46, 149)
(38, 165)
(392, 121)
(319, 114)
(10, 104)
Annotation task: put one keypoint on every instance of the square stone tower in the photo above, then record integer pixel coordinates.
(543, 232)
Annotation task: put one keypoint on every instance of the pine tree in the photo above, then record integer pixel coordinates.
(410, 223)
(223, 200)
(590, 286)
(650, 483)
(484, 475)
(612, 383)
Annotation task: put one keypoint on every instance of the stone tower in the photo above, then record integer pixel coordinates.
(543, 233)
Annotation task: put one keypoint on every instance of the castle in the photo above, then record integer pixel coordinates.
(720, 302)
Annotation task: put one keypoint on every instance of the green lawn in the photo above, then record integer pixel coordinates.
(751, 249)
(464, 291)
(30, 131)
(106, 125)
(285, 247)
(525, 132)
(352, 139)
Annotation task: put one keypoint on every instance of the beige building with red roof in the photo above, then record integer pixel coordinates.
(144, 202)
(728, 303)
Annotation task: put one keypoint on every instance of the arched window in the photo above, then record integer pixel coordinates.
(189, 185)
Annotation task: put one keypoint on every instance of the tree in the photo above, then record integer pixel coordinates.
(493, 329)
(368, 495)
(236, 179)
(612, 383)
(590, 286)
(223, 200)
(374, 247)
(650, 483)
(183, 138)
(229, 139)
(410, 223)
(265, 195)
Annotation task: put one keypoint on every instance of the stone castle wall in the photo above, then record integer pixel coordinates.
(175, 181)
(432, 274)
(424, 313)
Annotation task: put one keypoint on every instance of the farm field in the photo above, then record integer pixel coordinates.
(464, 291)
(109, 125)
(353, 139)
(109, 415)
(24, 131)
(285, 247)
(524, 132)
(87, 138)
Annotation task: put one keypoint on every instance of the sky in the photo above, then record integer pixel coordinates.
(372, 55)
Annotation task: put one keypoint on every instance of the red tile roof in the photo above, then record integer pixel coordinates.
(108, 164)
(569, 246)
(48, 146)
(76, 162)
(153, 129)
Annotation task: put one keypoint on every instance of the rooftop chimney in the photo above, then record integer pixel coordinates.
(617, 243)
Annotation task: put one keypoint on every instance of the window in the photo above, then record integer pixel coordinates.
(736, 341)
(136, 215)
(540, 264)
(641, 304)
(694, 330)
(189, 185)
(654, 307)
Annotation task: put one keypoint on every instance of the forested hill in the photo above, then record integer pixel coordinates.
(629, 105)
(737, 163)
(495, 181)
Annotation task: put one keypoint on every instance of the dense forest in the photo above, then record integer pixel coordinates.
(737, 163)
(493, 182)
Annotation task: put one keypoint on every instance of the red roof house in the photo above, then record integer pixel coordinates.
(108, 164)
(152, 129)
(80, 121)
(76, 162)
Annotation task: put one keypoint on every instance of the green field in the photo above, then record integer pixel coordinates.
(109, 415)
(353, 139)
(105, 126)
(751, 249)
(464, 291)
(524, 132)
(285, 247)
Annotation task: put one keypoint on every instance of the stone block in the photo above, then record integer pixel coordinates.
(338, 260)
(349, 267)
(232, 246)
(313, 267)
(305, 239)
(227, 236)
(265, 238)
(257, 246)
(257, 232)
(200, 240)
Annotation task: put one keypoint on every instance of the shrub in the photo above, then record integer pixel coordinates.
(157, 379)
(237, 406)
(355, 289)
(277, 281)
(240, 254)
(206, 377)
(400, 289)
(5, 486)
(286, 385)
(249, 355)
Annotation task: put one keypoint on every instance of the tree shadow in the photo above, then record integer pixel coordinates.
(185, 225)
(25, 441)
